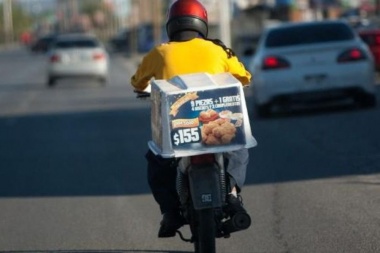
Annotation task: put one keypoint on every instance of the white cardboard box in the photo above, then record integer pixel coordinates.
(199, 113)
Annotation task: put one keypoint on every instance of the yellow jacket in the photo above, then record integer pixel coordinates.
(177, 58)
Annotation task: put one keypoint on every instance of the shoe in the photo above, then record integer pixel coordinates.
(170, 223)
(235, 204)
(239, 218)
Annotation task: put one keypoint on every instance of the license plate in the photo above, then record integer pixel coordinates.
(315, 78)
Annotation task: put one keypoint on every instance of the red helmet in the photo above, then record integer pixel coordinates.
(185, 15)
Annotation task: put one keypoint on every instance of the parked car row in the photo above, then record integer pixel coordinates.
(43, 43)
(310, 62)
(140, 38)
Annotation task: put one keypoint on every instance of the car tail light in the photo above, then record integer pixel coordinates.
(55, 58)
(202, 159)
(98, 56)
(350, 55)
(377, 40)
(275, 62)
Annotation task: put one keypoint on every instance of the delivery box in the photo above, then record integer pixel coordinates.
(199, 113)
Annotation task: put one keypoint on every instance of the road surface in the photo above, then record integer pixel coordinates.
(73, 178)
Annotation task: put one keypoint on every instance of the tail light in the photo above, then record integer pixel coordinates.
(377, 40)
(351, 55)
(55, 58)
(275, 62)
(202, 159)
(98, 56)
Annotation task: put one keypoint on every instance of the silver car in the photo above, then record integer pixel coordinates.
(311, 62)
(77, 55)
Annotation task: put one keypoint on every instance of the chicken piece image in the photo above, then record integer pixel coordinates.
(207, 128)
(218, 132)
(227, 138)
(228, 128)
(212, 140)
(207, 116)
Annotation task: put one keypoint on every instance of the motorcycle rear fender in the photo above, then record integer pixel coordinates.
(205, 186)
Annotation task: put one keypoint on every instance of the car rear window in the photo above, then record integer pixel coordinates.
(308, 34)
(82, 43)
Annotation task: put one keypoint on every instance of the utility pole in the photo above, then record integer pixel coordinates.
(8, 21)
(225, 22)
(157, 21)
(135, 19)
(63, 15)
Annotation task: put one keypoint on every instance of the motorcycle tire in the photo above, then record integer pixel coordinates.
(205, 240)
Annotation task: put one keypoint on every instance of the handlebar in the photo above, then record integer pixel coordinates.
(141, 94)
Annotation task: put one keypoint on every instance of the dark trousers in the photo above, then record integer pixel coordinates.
(162, 174)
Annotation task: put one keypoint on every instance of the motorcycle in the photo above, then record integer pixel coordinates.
(202, 186)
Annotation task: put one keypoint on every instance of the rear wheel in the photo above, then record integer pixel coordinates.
(367, 100)
(103, 81)
(205, 236)
(264, 110)
(51, 81)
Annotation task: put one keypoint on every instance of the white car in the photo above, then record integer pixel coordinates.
(311, 62)
(77, 55)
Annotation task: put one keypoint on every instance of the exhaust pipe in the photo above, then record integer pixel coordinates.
(239, 221)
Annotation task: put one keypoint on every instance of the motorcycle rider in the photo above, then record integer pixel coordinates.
(188, 51)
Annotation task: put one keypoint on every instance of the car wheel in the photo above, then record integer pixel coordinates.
(367, 101)
(103, 81)
(263, 111)
(51, 81)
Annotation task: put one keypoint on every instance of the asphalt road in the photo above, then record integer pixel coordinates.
(73, 179)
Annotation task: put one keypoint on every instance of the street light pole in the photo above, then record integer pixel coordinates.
(224, 21)
(157, 20)
(8, 21)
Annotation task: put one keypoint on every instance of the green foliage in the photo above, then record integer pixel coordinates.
(20, 19)
(90, 7)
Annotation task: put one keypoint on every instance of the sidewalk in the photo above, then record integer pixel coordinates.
(5, 47)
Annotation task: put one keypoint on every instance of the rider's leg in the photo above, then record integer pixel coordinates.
(162, 175)
(237, 162)
(162, 181)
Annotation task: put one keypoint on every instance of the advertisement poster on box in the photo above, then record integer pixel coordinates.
(207, 118)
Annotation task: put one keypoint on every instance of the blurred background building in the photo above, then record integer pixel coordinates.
(142, 22)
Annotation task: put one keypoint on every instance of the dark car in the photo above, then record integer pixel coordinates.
(372, 38)
(43, 44)
(120, 41)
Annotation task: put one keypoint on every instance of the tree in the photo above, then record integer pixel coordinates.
(20, 19)
(98, 12)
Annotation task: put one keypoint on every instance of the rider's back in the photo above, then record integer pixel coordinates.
(193, 56)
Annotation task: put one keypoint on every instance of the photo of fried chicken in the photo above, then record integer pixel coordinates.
(218, 132)
(207, 116)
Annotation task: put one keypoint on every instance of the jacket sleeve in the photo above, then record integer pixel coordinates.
(237, 69)
(145, 71)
